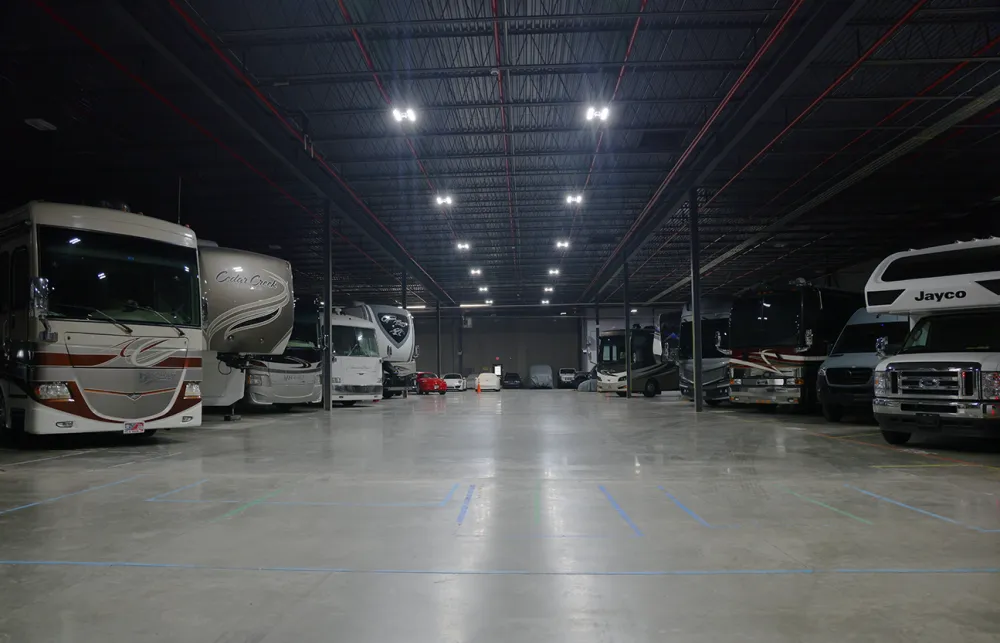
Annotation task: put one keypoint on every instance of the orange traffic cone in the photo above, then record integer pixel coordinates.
(479, 389)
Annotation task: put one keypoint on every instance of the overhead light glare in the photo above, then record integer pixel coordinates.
(476, 271)
(562, 244)
(545, 302)
(444, 200)
(553, 271)
(404, 115)
(416, 307)
(472, 305)
(483, 289)
(40, 124)
(549, 289)
(574, 198)
(489, 302)
(562, 313)
(635, 310)
(462, 245)
(598, 113)
(74, 241)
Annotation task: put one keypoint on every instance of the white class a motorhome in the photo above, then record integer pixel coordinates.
(945, 378)
(397, 343)
(651, 374)
(100, 320)
(356, 371)
(715, 313)
(249, 311)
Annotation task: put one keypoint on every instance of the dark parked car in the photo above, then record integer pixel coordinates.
(511, 380)
(583, 376)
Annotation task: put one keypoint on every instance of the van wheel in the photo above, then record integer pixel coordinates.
(832, 412)
(895, 437)
(651, 389)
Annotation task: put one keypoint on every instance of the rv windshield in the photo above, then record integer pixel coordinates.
(709, 327)
(131, 279)
(959, 333)
(860, 338)
(770, 319)
(612, 349)
(353, 341)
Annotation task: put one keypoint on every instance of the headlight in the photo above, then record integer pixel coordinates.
(881, 383)
(254, 380)
(736, 381)
(779, 381)
(192, 391)
(990, 385)
(53, 391)
(622, 378)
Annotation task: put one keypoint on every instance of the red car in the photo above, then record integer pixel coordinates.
(430, 383)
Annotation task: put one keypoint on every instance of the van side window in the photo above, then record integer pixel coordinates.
(20, 279)
(4, 281)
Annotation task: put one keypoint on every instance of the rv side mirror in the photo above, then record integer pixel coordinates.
(39, 297)
(718, 340)
(884, 349)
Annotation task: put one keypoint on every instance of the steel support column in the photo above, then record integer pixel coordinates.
(327, 307)
(439, 338)
(628, 332)
(696, 301)
(461, 348)
(597, 332)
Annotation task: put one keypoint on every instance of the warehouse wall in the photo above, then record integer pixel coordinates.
(518, 342)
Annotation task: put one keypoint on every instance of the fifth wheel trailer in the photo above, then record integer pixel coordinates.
(249, 310)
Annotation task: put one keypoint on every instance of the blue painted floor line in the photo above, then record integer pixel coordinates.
(170, 493)
(621, 512)
(465, 504)
(923, 511)
(67, 495)
(701, 521)
(450, 495)
(498, 572)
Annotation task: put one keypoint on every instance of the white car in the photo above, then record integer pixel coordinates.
(454, 381)
(566, 377)
(489, 382)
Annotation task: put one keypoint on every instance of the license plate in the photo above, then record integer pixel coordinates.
(762, 382)
(134, 427)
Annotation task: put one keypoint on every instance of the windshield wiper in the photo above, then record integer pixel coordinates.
(103, 314)
(149, 309)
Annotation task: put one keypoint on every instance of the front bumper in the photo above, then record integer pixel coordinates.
(717, 391)
(610, 387)
(969, 419)
(776, 395)
(847, 396)
(284, 394)
(356, 392)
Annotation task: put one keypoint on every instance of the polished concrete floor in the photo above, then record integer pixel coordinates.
(523, 516)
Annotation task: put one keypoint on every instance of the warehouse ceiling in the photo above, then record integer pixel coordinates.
(813, 135)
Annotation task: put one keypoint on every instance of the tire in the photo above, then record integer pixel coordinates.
(651, 389)
(11, 431)
(349, 402)
(442, 392)
(620, 393)
(387, 395)
(895, 437)
(833, 412)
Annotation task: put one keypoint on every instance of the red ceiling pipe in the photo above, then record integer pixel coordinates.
(771, 38)
(826, 92)
(56, 17)
(503, 123)
(293, 131)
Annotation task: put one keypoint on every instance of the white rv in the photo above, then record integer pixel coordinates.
(651, 375)
(397, 343)
(249, 311)
(356, 371)
(714, 350)
(945, 378)
(101, 322)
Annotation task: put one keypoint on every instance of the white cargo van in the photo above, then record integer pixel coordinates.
(945, 378)
(844, 381)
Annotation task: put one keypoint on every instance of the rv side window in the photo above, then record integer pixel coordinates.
(943, 264)
(19, 279)
(4, 281)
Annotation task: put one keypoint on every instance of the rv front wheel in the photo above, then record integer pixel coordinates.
(895, 437)
(832, 412)
(651, 389)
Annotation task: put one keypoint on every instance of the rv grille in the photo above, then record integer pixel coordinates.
(374, 389)
(938, 381)
(848, 376)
